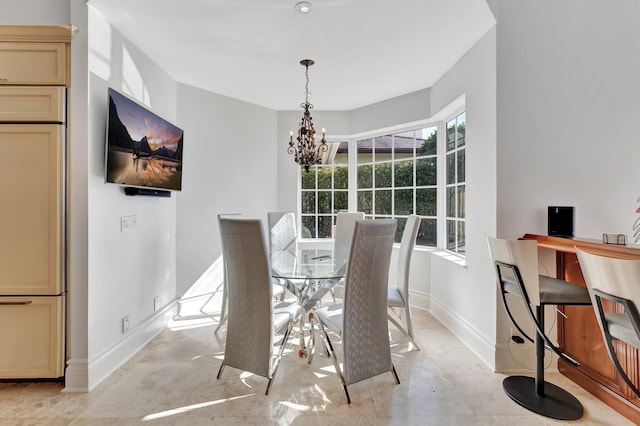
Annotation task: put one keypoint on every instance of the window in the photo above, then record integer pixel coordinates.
(418, 171)
(397, 176)
(455, 185)
(324, 192)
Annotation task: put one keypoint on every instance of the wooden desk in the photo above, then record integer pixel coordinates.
(579, 334)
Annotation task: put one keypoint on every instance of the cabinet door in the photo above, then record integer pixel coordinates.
(30, 332)
(33, 63)
(30, 209)
(32, 104)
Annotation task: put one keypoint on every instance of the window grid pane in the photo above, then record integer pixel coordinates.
(383, 175)
(324, 192)
(456, 189)
(397, 176)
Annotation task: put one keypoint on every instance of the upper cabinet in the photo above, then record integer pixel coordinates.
(33, 64)
(33, 56)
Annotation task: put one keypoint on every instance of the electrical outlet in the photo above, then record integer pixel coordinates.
(128, 223)
(125, 324)
(156, 303)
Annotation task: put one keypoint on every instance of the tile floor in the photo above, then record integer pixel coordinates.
(172, 381)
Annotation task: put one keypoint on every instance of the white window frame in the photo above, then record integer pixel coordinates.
(443, 242)
(332, 190)
(441, 215)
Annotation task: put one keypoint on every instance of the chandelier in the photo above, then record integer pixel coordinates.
(305, 151)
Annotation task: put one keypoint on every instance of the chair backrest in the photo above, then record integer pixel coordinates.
(617, 277)
(524, 255)
(345, 223)
(249, 339)
(407, 243)
(365, 332)
(224, 267)
(282, 231)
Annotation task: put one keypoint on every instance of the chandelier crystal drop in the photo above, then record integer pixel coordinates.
(305, 150)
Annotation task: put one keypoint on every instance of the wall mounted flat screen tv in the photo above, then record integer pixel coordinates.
(143, 150)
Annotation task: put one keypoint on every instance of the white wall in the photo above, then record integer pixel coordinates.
(464, 298)
(36, 12)
(567, 102)
(567, 107)
(126, 270)
(230, 166)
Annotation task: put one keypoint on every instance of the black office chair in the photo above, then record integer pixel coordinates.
(615, 280)
(516, 263)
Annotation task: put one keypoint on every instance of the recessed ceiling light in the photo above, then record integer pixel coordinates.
(303, 7)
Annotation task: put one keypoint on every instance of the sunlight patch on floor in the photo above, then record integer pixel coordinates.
(187, 408)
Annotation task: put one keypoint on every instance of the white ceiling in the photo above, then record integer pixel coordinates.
(365, 51)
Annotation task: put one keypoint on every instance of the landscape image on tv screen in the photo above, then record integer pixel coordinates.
(142, 149)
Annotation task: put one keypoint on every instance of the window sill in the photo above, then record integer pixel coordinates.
(451, 257)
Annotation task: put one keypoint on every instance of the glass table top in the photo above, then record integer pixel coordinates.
(306, 264)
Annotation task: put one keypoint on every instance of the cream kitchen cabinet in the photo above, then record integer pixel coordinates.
(34, 81)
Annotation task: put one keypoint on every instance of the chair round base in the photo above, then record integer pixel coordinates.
(556, 403)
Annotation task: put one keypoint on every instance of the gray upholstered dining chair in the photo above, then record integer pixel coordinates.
(616, 281)
(516, 266)
(253, 320)
(345, 224)
(398, 296)
(224, 303)
(283, 237)
(361, 320)
(282, 231)
(278, 289)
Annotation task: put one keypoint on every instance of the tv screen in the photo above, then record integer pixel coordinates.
(142, 150)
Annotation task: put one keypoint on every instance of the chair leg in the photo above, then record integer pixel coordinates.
(220, 371)
(327, 343)
(312, 339)
(303, 348)
(266, 392)
(399, 326)
(346, 393)
(408, 322)
(537, 395)
(395, 374)
(276, 361)
(223, 309)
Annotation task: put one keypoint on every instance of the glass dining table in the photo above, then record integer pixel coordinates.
(309, 274)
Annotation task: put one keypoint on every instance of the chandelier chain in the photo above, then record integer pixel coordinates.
(306, 86)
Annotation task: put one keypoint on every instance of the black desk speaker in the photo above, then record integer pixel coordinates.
(560, 221)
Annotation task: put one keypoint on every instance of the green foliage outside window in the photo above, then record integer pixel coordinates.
(324, 193)
(400, 179)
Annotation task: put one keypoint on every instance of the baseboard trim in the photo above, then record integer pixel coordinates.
(76, 377)
(477, 343)
(420, 300)
(83, 376)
